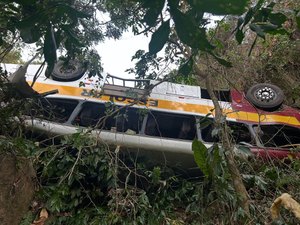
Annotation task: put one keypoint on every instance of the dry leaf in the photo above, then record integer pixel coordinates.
(288, 203)
(43, 217)
(44, 213)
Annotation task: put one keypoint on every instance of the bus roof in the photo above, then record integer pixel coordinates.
(165, 96)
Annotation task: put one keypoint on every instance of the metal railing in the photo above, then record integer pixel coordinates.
(135, 83)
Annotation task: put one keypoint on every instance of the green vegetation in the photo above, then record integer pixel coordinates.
(80, 181)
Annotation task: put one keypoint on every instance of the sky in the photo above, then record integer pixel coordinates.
(116, 54)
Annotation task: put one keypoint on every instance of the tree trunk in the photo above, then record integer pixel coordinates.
(16, 188)
(243, 197)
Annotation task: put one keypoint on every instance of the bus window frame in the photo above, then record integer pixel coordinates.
(247, 125)
(255, 137)
(75, 113)
(258, 138)
(80, 107)
(175, 114)
(72, 115)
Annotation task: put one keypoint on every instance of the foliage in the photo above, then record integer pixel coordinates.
(109, 192)
(13, 56)
(76, 27)
(71, 26)
(11, 107)
(82, 182)
(273, 60)
(182, 28)
(263, 21)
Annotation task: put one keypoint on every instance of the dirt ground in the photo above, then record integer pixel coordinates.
(16, 188)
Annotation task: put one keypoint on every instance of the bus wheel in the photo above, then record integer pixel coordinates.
(73, 70)
(265, 96)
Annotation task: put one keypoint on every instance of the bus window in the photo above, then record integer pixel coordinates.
(90, 114)
(239, 131)
(171, 125)
(206, 127)
(278, 135)
(125, 120)
(128, 120)
(54, 109)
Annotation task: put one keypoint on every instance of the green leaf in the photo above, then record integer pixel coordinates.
(220, 7)
(71, 36)
(30, 34)
(159, 38)
(197, 15)
(217, 160)
(25, 2)
(49, 48)
(200, 156)
(271, 173)
(280, 31)
(214, 160)
(256, 181)
(154, 9)
(262, 28)
(277, 18)
(216, 153)
(186, 68)
(72, 12)
(239, 36)
(249, 15)
(298, 21)
(257, 29)
(189, 32)
(241, 20)
(221, 60)
(267, 26)
(271, 5)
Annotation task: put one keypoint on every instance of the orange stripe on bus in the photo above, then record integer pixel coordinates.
(179, 106)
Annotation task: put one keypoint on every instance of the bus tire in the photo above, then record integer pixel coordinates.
(265, 96)
(73, 70)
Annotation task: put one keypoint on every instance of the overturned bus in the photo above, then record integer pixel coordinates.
(160, 120)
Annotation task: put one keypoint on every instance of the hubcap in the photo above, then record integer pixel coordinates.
(265, 94)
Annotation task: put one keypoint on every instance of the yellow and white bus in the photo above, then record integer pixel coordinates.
(162, 123)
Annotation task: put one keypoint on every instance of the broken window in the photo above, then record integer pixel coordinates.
(207, 127)
(278, 135)
(54, 109)
(239, 131)
(110, 117)
(171, 125)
